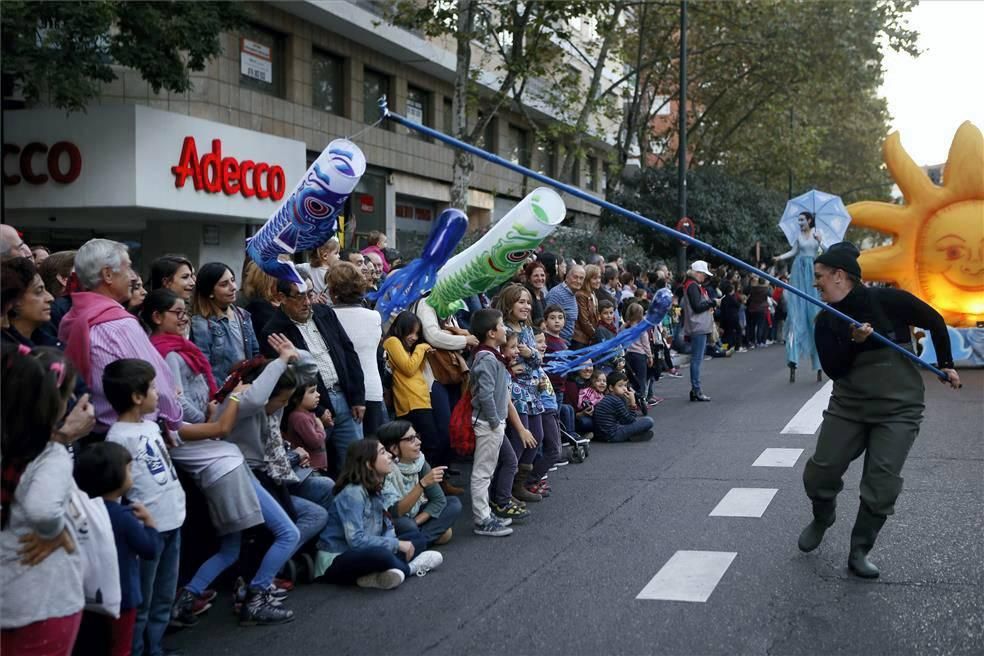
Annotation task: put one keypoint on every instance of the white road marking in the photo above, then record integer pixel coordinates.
(807, 420)
(688, 576)
(744, 502)
(778, 458)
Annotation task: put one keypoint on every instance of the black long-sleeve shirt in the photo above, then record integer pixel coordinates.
(890, 312)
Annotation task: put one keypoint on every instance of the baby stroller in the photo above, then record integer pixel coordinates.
(575, 448)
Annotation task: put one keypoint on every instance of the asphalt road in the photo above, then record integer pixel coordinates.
(567, 582)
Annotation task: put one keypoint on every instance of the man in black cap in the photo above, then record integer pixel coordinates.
(877, 401)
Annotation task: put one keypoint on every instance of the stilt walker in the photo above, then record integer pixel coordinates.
(801, 314)
(877, 402)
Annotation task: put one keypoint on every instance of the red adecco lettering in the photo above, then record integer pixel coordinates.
(214, 173)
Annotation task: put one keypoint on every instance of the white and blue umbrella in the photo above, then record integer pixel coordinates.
(831, 216)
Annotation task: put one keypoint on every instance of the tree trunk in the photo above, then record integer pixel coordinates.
(463, 163)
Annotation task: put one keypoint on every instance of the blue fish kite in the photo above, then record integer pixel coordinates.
(309, 216)
(563, 362)
(404, 286)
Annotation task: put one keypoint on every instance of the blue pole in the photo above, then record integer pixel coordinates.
(638, 218)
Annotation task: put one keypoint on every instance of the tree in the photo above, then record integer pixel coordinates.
(64, 51)
(517, 41)
(731, 214)
(778, 90)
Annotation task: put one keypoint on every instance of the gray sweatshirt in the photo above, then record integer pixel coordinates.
(489, 382)
(248, 431)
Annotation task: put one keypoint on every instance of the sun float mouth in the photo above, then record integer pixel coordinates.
(966, 288)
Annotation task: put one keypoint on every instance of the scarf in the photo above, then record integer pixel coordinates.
(88, 309)
(189, 352)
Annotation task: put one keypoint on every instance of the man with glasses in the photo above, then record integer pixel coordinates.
(315, 328)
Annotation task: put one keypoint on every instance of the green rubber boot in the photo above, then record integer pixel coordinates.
(824, 514)
(866, 528)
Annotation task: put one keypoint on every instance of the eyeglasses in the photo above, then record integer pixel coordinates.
(411, 438)
(180, 314)
(294, 297)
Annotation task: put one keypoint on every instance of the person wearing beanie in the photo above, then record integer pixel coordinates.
(877, 401)
(698, 321)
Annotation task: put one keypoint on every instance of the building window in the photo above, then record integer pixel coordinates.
(262, 61)
(590, 173)
(414, 215)
(418, 109)
(517, 151)
(544, 157)
(448, 117)
(604, 176)
(487, 140)
(374, 85)
(326, 78)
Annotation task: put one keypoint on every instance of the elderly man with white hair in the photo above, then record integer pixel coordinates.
(11, 243)
(98, 330)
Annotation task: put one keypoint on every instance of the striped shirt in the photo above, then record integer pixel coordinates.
(124, 338)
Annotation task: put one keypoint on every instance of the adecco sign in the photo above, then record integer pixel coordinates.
(140, 157)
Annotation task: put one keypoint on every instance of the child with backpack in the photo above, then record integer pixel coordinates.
(614, 419)
(489, 385)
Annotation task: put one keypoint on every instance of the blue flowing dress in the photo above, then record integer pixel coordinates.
(801, 314)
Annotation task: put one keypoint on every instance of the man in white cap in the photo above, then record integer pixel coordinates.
(698, 321)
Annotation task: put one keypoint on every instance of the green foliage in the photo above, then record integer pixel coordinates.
(64, 51)
(731, 214)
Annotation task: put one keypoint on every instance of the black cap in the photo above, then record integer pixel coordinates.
(842, 255)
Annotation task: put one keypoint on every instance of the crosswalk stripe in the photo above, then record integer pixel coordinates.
(688, 576)
(807, 420)
(744, 502)
(778, 458)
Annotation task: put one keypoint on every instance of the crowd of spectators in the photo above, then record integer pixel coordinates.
(298, 417)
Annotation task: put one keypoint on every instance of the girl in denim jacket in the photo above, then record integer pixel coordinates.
(221, 330)
(359, 544)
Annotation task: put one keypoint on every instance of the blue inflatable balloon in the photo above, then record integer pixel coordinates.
(309, 215)
(404, 286)
(562, 363)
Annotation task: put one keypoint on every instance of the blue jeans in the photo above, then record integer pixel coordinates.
(375, 417)
(698, 344)
(311, 520)
(354, 563)
(158, 585)
(316, 489)
(432, 529)
(346, 429)
(443, 400)
(285, 541)
(565, 414)
(625, 432)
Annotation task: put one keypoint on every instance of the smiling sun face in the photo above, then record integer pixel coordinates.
(938, 251)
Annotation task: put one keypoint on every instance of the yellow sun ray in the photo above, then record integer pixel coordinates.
(938, 248)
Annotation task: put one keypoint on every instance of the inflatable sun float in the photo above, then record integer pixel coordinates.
(938, 247)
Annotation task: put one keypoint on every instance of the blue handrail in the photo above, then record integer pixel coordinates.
(638, 218)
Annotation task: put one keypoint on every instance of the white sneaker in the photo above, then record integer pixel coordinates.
(425, 562)
(387, 580)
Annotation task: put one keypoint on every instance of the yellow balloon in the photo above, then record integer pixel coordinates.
(938, 248)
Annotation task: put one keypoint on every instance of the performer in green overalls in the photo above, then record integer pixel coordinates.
(877, 402)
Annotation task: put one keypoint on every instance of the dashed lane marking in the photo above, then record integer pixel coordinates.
(688, 576)
(807, 420)
(778, 458)
(744, 502)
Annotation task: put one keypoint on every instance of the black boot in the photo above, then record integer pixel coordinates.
(697, 395)
(866, 528)
(792, 372)
(824, 514)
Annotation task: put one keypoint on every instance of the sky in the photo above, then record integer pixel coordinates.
(931, 95)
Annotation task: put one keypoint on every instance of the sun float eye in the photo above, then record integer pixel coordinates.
(929, 255)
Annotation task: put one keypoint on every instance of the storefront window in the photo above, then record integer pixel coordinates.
(261, 60)
(326, 76)
(374, 85)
